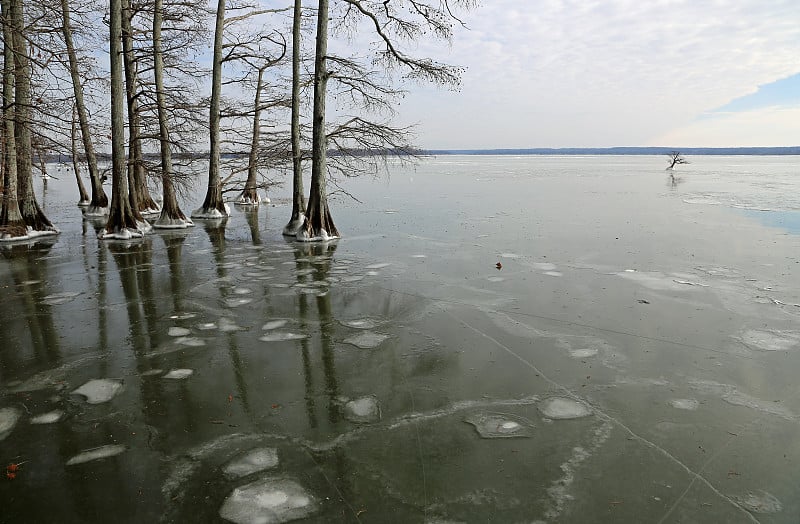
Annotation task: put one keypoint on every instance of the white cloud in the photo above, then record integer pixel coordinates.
(601, 73)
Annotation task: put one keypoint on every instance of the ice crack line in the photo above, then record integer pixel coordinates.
(609, 418)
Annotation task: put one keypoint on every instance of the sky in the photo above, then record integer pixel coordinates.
(616, 73)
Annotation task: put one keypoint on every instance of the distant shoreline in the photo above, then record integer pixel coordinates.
(752, 151)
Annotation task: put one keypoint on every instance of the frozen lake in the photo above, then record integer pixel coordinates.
(494, 339)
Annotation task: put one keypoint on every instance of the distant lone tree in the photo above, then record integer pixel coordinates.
(674, 158)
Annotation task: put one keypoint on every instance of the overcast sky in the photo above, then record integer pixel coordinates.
(617, 73)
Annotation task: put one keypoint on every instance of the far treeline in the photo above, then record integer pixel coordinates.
(271, 75)
(755, 151)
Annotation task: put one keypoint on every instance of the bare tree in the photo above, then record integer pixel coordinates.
(298, 195)
(674, 158)
(123, 220)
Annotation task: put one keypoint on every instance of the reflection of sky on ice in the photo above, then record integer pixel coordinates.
(388, 370)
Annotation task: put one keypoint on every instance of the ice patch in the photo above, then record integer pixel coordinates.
(251, 462)
(367, 340)
(59, 298)
(190, 341)
(684, 403)
(419, 256)
(207, 326)
(544, 266)
(733, 396)
(274, 324)
(8, 419)
(96, 454)
(364, 410)
(268, 501)
(762, 503)
(582, 352)
(362, 323)
(175, 331)
(99, 390)
(282, 336)
(211, 214)
(554, 273)
(227, 325)
(500, 425)
(380, 265)
(495, 279)
(510, 255)
(562, 408)
(182, 316)
(242, 291)
(236, 302)
(151, 372)
(771, 340)
(48, 418)
(179, 374)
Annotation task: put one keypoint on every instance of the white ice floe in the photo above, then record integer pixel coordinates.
(733, 396)
(499, 425)
(236, 302)
(125, 233)
(151, 372)
(274, 324)
(367, 339)
(268, 501)
(562, 408)
(8, 419)
(380, 265)
(544, 266)
(689, 404)
(55, 299)
(227, 325)
(183, 316)
(179, 374)
(276, 336)
(554, 273)
(207, 326)
(582, 352)
(172, 223)
(190, 341)
(253, 461)
(50, 417)
(99, 390)
(175, 331)
(241, 291)
(303, 236)
(419, 256)
(362, 323)
(363, 410)
(771, 340)
(29, 235)
(102, 452)
(495, 279)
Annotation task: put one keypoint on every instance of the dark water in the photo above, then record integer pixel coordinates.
(634, 359)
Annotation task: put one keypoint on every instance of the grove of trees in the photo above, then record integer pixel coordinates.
(132, 75)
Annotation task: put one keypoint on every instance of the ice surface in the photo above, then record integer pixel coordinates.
(99, 390)
(179, 374)
(367, 339)
(544, 266)
(190, 341)
(274, 324)
(227, 325)
(499, 425)
(582, 352)
(762, 502)
(379, 265)
(684, 403)
(96, 454)
(561, 408)
(364, 409)
(236, 302)
(733, 396)
(362, 323)
(251, 462)
(59, 298)
(8, 419)
(175, 331)
(48, 418)
(268, 501)
(281, 336)
(771, 340)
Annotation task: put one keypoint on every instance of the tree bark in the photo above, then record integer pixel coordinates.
(122, 219)
(318, 221)
(213, 205)
(298, 193)
(11, 223)
(32, 214)
(141, 200)
(99, 198)
(250, 193)
(83, 195)
(171, 214)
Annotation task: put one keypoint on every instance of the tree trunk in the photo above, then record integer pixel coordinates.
(99, 201)
(318, 222)
(123, 221)
(83, 195)
(31, 212)
(213, 206)
(249, 195)
(11, 223)
(298, 194)
(171, 214)
(141, 200)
